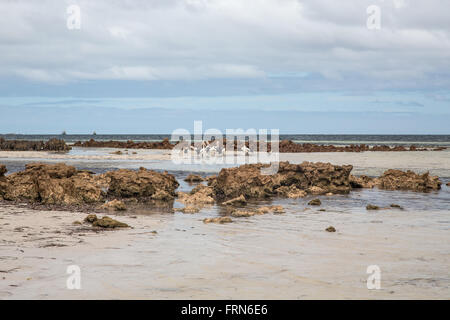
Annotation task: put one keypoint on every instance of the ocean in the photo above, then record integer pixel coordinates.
(391, 140)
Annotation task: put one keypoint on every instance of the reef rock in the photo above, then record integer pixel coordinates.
(199, 196)
(105, 222)
(194, 178)
(248, 181)
(362, 181)
(143, 183)
(236, 201)
(115, 204)
(400, 180)
(220, 220)
(52, 184)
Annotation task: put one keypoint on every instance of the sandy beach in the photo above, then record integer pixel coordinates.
(274, 256)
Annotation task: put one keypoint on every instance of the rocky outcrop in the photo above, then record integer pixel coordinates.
(52, 184)
(401, 180)
(290, 146)
(248, 181)
(362, 181)
(199, 196)
(140, 184)
(24, 145)
(164, 144)
(60, 184)
(192, 178)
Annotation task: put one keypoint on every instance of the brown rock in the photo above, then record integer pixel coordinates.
(200, 195)
(315, 202)
(52, 184)
(115, 204)
(362, 181)
(330, 229)
(248, 181)
(290, 192)
(140, 184)
(189, 209)
(372, 207)
(220, 220)
(236, 201)
(91, 218)
(107, 222)
(3, 170)
(194, 178)
(400, 180)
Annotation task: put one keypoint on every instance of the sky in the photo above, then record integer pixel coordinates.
(311, 66)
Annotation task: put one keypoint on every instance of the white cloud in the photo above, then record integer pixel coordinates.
(209, 39)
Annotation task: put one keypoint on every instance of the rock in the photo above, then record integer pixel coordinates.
(143, 183)
(448, 184)
(315, 202)
(115, 204)
(200, 195)
(107, 222)
(23, 145)
(290, 192)
(56, 145)
(3, 170)
(189, 209)
(210, 179)
(317, 190)
(194, 178)
(52, 184)
(330, 229)
(372, 207)
(400, 180)
(393, 205)
(220, 220)
(60, 184)
(76, 223)
(164, 144)
(258, 211)
(162, 195)
(236, 201)
(118, 152)
(248, 181)
(362, 181)
(91, 218)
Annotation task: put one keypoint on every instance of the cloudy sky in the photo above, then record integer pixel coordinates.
(152, 66)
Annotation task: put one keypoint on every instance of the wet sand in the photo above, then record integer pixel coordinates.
(274, 256)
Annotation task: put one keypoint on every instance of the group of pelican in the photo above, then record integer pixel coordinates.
(211, 149)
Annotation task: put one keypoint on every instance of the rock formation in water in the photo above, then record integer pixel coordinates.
(23, 145)
(164, 144)
(60, 184)
(399, 180)
(247, 180)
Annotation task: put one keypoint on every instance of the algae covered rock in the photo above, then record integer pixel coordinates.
(401, 180)
(248, 181)
(220, 220)
(330, 229)
(104, 222)
(315, 202)
(372, 207)
(126, 183)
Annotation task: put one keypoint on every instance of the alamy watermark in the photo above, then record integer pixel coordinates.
(73, 282)
(374, 280)
(73, 21)
(236, 147)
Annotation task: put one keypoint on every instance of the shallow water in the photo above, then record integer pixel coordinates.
(270, 256)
